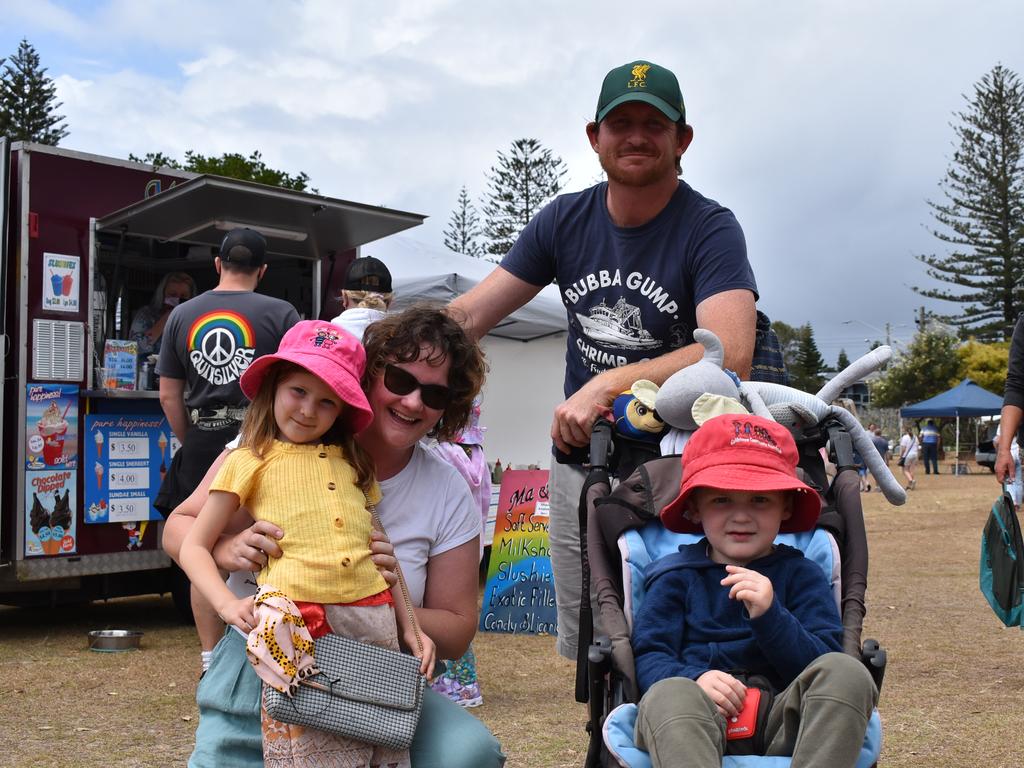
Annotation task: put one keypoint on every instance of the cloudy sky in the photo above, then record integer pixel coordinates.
(825, 126)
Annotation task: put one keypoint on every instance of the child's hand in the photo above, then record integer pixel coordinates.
(753, 588)
(239, 613)
(382, 553)
(725, 690)
(429, 651)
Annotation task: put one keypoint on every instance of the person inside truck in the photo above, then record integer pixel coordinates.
(147, 328)
(422, 374)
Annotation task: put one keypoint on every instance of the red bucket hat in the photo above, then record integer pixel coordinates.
(742, 453)
(326, 351)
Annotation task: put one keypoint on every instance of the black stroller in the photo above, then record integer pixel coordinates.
(621, 533)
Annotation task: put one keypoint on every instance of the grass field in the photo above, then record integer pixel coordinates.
(953, 691)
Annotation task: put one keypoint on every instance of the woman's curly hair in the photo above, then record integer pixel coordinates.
(400, 337)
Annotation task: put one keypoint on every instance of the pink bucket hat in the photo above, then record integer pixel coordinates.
(326, 351)
(739, 452)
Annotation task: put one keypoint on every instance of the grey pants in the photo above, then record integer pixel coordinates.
(565, 483)
(820, 719)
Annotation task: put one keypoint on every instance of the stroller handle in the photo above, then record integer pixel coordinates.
(600, 443)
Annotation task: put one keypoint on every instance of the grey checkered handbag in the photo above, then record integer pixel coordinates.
(363, 692)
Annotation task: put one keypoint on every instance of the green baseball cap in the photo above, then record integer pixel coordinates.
(642, 81)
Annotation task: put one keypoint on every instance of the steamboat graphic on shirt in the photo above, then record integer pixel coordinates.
(619, 325)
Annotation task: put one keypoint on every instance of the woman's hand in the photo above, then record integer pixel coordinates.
(429, 655)
(382, 553)
(724, 690)
(249, 550)
(239, 613)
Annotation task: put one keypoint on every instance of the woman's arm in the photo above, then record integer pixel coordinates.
(450, 613)
(244, 545)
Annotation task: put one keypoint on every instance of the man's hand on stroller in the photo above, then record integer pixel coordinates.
(725, 690)
(575, 417)
(753, 588)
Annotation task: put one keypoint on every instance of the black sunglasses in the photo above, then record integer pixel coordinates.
(401, 382)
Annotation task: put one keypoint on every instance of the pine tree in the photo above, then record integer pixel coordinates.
(842, 362)
(518, 186)
(463, 227)
(806, 371)
(982, 218)
(28, 102)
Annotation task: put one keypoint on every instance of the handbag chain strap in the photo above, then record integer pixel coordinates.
(401, 579)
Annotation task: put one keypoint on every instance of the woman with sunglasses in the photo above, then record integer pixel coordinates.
(422, 374)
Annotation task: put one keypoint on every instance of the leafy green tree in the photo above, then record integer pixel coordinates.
(463, 227)
(231, 164)
(789, 340)
(984, 364)
(28, 100)
(929, 366)
(519, 185)
(982, 217)
(806, 373)
(842, 362)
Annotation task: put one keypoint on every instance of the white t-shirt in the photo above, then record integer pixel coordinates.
(908, 446)
(426, 508)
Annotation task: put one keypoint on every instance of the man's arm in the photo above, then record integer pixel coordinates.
(172, 400)
(490, 301)
(730, 315)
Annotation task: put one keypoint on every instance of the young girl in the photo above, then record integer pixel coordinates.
(299, 467)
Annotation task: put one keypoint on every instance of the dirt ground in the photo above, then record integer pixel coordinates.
(952, 696)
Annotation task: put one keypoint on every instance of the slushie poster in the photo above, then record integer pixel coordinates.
(519, 596)
(61, 282)
(126, 458)
(51, 426)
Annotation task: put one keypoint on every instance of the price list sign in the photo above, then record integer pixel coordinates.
(126, 458)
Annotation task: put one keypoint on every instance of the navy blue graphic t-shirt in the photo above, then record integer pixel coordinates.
(630, 292)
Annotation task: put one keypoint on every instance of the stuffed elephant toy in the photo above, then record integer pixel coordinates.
(706, 388)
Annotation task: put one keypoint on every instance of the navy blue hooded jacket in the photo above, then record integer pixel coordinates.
(687, 624)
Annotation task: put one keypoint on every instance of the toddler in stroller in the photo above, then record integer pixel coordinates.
(737, 604)
(623, 535)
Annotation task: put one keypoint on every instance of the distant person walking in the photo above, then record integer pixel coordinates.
(881, 444)
(930, 440)
(908, 456)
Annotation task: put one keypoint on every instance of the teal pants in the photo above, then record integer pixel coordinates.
(229, 736)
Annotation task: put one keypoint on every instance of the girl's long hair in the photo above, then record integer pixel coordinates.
(259, 428)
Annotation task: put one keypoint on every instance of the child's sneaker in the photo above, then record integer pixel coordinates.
(469, 695)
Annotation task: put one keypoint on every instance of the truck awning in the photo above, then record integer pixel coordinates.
(299, 224)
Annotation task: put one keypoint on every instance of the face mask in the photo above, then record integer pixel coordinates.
(171, 301)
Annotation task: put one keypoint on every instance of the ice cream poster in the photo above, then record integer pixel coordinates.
(50, 507)
(519, 596)
(61, 282)
(125, 459)
(51, 429)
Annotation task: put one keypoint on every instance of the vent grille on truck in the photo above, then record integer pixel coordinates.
(58, 350)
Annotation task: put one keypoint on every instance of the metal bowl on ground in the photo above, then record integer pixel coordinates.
(113, 640)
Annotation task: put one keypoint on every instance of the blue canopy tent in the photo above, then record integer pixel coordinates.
(965, 399)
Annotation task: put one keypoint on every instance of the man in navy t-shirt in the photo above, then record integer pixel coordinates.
(641, 261)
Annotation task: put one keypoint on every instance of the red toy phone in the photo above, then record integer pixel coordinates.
(743, 725)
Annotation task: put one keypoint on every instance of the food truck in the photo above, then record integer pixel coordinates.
(84, 242)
